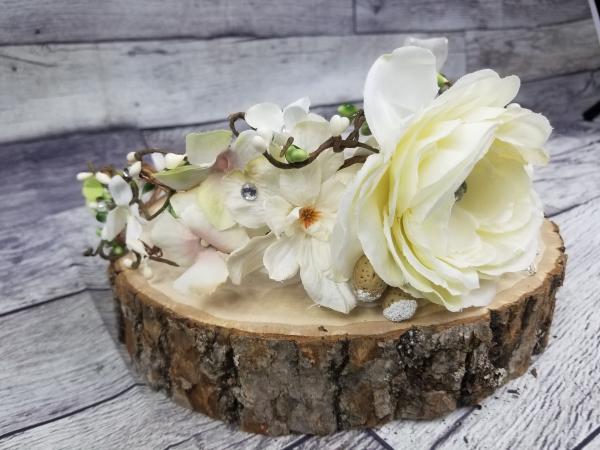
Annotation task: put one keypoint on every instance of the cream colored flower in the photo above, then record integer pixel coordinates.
(448, 205)
(299, 210)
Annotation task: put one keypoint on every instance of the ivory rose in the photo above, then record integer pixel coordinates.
(448, 205)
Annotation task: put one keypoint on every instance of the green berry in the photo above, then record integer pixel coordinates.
(101, 216)
(295, 154)
(118, 250)
(347, 110)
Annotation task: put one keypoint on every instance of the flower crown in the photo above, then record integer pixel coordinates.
(425, 195)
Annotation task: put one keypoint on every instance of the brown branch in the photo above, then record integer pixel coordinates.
(358, 159)
(233, 118)
(285, 147)
(151, 216)
(139, 155)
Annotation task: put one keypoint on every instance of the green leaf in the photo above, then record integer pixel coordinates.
(101, 216)
(172, 211)
(92, 189)
(147, 188)
(365, 130)
(203, 148)
(183, 178)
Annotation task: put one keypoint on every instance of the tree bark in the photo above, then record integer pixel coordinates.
(322, 382)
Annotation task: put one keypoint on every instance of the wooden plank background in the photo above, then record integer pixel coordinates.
(86, 80)
(87, 65)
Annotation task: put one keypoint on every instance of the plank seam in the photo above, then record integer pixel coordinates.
(69, 414)
(453, 428)
(181, 38)
(298, 442)
(437, 31)
(589, 438)
(381, 441)
(572, 207)
(51, 300)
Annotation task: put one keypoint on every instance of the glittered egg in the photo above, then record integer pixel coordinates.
(398, 305)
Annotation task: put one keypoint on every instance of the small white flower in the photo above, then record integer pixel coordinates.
(274, 126)
(131, 157)
(338, 125)
(123, 216)
(300, 212)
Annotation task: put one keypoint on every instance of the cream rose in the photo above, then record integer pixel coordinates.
(448, 205)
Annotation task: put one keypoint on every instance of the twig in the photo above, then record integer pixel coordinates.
(233, 118)
(358, 159)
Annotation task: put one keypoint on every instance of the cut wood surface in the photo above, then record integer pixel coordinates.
(313, 371)
(556, 409)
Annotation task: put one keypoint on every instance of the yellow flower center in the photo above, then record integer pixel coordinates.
(308, 216)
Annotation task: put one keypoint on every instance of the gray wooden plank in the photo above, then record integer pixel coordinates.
(45, 21)
(62, 88)
(572, 176)
(556, 407)
(535, 53)
(563, 98)
(375, 16)
(38, 178)
(139, 419)
(213, 438)
(43, 260)
(54, 359)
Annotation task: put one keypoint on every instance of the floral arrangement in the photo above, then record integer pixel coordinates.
(425, 195)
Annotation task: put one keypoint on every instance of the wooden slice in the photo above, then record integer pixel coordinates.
(262, 357)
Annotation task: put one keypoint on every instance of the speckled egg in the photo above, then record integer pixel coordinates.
(367, 285)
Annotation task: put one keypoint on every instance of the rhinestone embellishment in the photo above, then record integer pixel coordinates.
(249, 192)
